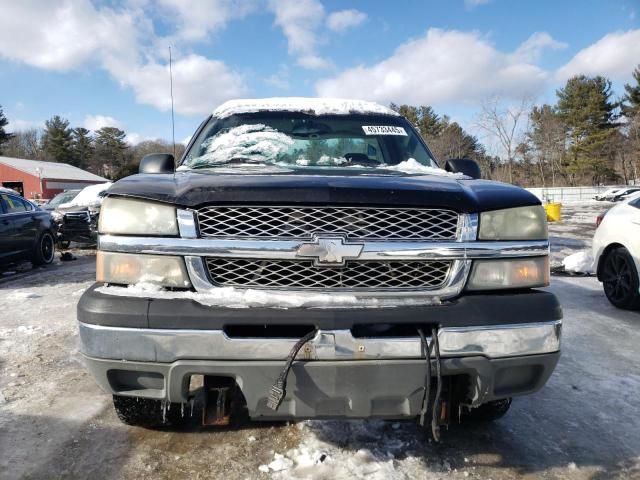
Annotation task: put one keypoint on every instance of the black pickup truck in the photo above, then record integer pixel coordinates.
(308, 258)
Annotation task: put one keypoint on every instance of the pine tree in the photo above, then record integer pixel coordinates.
(4, 135)
(585, 107)
(631, 100)
(57, 141)
(82, 147)
(631, 110)
(424, 118)
(110, 149)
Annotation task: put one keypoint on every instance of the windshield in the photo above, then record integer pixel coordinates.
(296, 140)
(63, 197)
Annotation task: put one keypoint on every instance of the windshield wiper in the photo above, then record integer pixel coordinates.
(230, 161)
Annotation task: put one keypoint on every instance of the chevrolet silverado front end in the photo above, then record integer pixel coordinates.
(314, 262)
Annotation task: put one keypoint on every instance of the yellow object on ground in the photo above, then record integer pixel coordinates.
(553, 212)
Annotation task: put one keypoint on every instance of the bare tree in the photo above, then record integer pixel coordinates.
(504, 124)
(25, 144)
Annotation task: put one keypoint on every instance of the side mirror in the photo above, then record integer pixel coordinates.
(157, 163)
(465, 166)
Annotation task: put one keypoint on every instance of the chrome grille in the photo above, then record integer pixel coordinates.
(300, 274)
(303, 222)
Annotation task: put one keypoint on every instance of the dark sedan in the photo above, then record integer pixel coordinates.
(26, 231)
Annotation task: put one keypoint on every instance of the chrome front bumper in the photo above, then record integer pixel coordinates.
(168, 345)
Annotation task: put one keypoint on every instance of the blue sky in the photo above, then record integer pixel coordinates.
(105, 63)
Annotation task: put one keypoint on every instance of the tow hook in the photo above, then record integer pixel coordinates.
(218, 393)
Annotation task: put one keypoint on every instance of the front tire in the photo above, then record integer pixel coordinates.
(146, 412)
(620, 279)
(44, 250)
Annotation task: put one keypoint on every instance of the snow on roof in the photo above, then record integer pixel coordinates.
(62, 171)
(315, 106)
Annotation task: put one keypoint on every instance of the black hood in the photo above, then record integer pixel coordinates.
(324, 187)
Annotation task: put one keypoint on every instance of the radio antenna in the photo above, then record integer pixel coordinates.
(173, 123)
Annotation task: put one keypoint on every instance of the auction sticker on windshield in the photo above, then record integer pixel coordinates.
(384, 130)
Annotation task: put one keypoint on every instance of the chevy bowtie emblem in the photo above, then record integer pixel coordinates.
(329, 251)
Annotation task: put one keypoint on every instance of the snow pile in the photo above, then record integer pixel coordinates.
(255, 143)
(88, 196)
(413, 166)
(23, 295)
(356, 449)
(313, 106)
(247, 298)
(579, 262)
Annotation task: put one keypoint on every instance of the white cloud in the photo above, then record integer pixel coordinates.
(16, 124)
(62, 36)
(96, 122)
(531, 49)
(300, 21)
(196, 19)
(615, 55)
(134, 138)
(314, 62)
(199, 85)
(475, 3)
(441, 66)
(345, 19)
(280, 79)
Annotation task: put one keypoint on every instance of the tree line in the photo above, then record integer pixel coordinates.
(104, 152)
(587, 137)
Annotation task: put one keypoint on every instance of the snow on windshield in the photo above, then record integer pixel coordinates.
(317, 106)
(88, 196)
(255, 143)
(413, 166)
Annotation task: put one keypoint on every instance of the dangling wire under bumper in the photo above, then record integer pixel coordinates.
(428, 350)
(278, 390)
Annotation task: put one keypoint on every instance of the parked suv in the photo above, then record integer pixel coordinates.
(309, 259)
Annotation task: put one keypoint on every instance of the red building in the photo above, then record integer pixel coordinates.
(35, 180)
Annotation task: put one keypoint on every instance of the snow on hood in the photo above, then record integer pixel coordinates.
(315, 106)
(88, 196)
(246, 298)
(413, 166)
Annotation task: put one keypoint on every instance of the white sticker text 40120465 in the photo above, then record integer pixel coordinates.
(384, 130)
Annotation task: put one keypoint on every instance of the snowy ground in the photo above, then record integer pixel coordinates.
(575, 231)
(56, 423)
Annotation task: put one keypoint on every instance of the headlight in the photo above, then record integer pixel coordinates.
(56, 216)
(509, 273)
(129, 269)
(521, 223)
(137, 217)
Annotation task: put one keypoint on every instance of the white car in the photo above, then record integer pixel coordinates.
(606, 193)
(616, 250)
(624, 193)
